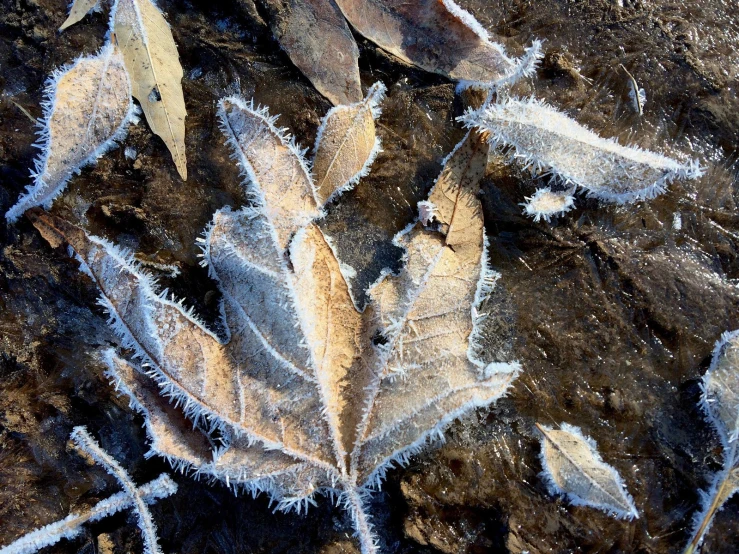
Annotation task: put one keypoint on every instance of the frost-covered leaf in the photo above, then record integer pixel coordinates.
(438, 36)
(152, 61)
(573, 467)
(347, 145)
(304, 398)
(721, 390)
(545, 204)
(274, 167)
(720, 401)
(87, 108)
(317, 38)
(549, 140)
(132, 497)
(79, 9)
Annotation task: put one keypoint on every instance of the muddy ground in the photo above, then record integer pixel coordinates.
(612, 311)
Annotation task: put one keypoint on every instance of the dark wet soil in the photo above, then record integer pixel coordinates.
(613, 311)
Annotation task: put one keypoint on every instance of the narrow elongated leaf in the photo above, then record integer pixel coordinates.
(87, 109)
(152, 60)
(549, 140)
(347, 145)
(79, 9)
(438, 36)
(573, 467)
(720, 401)
(315, 35)
(721, 390)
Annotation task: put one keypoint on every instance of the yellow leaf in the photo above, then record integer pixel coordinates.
(151, 58)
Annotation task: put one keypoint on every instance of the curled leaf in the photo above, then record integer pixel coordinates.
(547, 139)
(79, 9)
(151, 58)
(317, 38)
(573, 467)
(347, 145)
(438, 36)
(87, 108)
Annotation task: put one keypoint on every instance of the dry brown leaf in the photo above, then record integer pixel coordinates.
(79, 9)
(152, 61)
(87, 109)
(573, 467)
(315, 35)
(306, 400)
(347, 145)
(438, 36)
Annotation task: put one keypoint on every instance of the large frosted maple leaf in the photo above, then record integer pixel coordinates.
(307, 394)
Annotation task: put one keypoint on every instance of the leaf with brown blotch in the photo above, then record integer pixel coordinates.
(347, 145)
(720, 402)
(87, 109)
(317, 38)
(79, 9)
(438, 36)
(573, 467)
(305, 399)
(152, 61)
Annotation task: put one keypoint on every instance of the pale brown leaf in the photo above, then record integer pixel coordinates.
(429, 371)
(88, 108)
(346, 145)
(152, 60)
(573, 467)
(315, 35)
(79, 9)
(436, 35)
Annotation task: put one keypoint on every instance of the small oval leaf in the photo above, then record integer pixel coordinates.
(573, 467)
(347, 145)
(317, 38)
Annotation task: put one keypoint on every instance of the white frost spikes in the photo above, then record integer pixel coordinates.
(573, 467)
(547, 139)
(87, 108)
(133, 497)
(720, 402)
